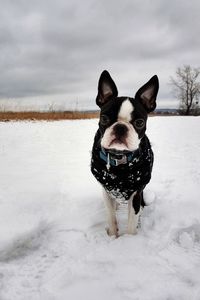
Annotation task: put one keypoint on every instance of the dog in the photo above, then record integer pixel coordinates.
(122, 158)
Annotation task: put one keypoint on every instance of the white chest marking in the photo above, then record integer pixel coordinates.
(125, 111)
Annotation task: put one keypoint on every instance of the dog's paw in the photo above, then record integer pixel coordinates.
(112, 232)
(132, 231)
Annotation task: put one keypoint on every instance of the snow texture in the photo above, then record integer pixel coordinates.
(53, 243)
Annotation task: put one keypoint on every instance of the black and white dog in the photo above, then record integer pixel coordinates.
(122, 157)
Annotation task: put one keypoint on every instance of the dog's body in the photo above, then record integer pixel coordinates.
(122, 157)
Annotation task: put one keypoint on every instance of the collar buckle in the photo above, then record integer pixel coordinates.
(116, 160)
(121, 161)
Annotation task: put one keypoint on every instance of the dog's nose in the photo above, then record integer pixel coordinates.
(120, 130)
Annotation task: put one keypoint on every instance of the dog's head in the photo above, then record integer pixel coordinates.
(123, 119)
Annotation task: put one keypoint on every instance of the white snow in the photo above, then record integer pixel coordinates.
(53, 243)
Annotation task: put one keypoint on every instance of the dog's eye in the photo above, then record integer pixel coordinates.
(104, 120)
(139, 123)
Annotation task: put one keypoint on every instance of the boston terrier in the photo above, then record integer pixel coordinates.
(122, 157)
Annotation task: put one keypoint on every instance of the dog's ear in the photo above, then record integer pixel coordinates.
(147, 94)
(106, 89)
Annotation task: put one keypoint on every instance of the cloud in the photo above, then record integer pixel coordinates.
(60, 47)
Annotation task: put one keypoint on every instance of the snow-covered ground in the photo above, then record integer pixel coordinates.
(53, 244)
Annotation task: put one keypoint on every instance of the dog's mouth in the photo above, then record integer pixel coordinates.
(118, 144)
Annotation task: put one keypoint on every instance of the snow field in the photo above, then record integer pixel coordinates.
(53, 243)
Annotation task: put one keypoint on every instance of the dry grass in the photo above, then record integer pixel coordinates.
(6, 116)
(48, 116)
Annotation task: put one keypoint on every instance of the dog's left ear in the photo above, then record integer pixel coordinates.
(147, 94)
(106, 89)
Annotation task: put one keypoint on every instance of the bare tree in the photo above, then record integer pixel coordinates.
(187, 89)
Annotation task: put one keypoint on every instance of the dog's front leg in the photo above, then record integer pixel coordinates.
(110, 205)
(133, 214)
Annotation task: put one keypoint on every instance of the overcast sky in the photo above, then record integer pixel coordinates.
(57, 49)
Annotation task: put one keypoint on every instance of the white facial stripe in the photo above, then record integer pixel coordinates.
(125, 111)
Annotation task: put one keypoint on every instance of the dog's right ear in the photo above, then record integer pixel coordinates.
(147, 94)
(106, 89)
